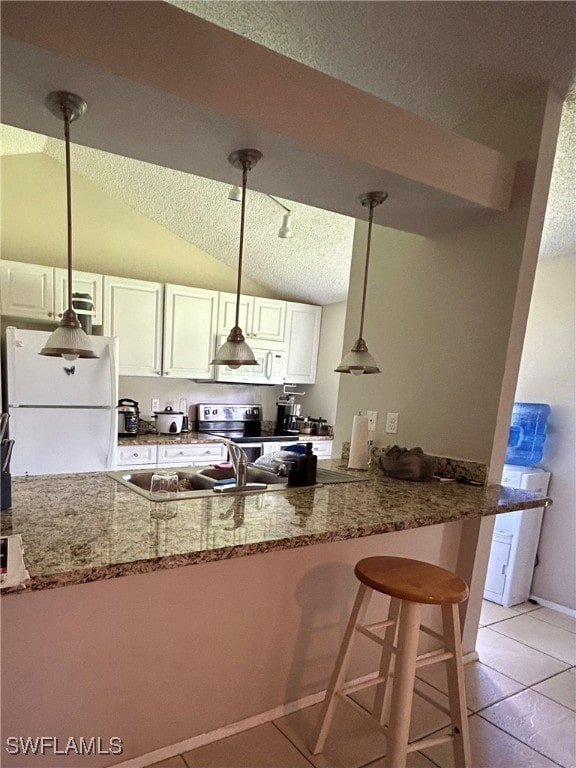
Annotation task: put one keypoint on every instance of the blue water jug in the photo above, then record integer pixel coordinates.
(527, 433)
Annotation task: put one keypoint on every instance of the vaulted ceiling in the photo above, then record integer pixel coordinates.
(443, 61)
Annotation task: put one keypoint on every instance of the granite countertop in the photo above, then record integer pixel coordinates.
(186, 438)
(87, 527)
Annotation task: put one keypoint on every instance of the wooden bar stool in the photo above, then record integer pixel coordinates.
(410, 584)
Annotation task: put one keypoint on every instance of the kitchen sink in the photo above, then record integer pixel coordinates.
(208, 480)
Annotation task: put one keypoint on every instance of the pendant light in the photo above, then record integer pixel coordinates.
(359, 360)
(68, 340)
(235, 351)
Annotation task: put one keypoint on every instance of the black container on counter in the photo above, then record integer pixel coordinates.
(6, 491)
(303, 472)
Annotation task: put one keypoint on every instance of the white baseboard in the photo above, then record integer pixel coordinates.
(553, 606)
(143, 761)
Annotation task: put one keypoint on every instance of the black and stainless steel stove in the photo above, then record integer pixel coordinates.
(233, 422)
(240, 423)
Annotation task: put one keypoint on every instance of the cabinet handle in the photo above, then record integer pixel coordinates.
(167, 373)
(50, 314)
(180, 453)
(158, 373)
(135, 454)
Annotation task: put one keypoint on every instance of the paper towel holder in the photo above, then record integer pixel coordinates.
(359, 360)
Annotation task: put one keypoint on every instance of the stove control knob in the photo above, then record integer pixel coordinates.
(206, 411)
(215, 411)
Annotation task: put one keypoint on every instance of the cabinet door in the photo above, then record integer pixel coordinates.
(268, 319)
(133, 312)
(303, 337)
(27, 290)
(227, 313)
(82, 282)
(190, 324)
(497, 567)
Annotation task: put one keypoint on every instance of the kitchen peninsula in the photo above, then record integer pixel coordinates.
(190, 649)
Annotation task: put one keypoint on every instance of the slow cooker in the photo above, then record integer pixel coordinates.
(128, 417)
(168, 421)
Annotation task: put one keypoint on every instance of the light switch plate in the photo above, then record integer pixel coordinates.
(372, 420)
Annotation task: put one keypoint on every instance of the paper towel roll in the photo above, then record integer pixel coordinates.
(359, 444)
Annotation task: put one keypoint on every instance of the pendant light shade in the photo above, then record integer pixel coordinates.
(68, 340)
(359, 361)
(235, 351)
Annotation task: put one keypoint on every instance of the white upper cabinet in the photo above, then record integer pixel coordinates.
(35, 292)
(259, 318)
(27, 290)
(134, 313)
(303, 337)
(82, 282)
(190, 327)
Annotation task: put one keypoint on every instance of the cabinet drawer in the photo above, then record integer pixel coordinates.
(192, 453)
(322, 449)
(130, 455)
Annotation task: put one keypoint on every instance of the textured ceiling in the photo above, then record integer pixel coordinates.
(445, 61)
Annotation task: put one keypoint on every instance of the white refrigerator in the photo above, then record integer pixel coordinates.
(62, 413)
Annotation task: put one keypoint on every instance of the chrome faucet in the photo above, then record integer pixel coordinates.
(239, 461)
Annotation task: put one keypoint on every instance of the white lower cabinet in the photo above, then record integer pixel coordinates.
(170, 455)
(320, 448)
(136, 456)
(192, 453)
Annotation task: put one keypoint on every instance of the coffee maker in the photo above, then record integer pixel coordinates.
(287, 411)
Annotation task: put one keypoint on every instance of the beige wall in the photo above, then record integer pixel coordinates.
(439, 312)
(109, 237)
(547, 375)
(322, 397)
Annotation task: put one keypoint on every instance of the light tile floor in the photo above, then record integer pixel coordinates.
(522, 696)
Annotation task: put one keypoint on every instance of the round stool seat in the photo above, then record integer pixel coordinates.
(411, 580)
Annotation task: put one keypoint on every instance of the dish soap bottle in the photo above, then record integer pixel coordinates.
(303, 472)
(310, 461)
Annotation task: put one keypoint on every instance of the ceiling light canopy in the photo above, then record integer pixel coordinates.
(235, 351)
(359, 360)
(68, 340)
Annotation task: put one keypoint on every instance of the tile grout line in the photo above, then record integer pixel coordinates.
(511, 735)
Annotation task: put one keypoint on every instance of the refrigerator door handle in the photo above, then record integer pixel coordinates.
(113, 439)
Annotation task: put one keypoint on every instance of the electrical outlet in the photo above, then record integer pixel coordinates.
(155, 404)
(183, 406)
(372, 420)
(392, 423)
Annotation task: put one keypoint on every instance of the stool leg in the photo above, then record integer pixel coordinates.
(456, 686)
(381, 708)
(403, 686)
(339, 673)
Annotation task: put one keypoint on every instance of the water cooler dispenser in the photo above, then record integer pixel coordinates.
(516, 534)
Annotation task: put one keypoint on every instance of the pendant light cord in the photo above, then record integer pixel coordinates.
(68, 202)
(373, 204)
(245, 166)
